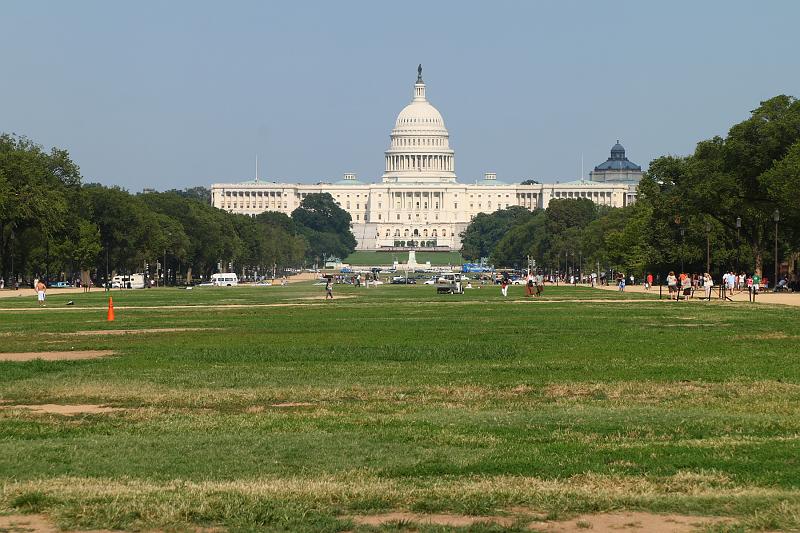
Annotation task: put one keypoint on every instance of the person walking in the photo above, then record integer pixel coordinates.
(504, 287)
(41, 292)
(329, 289)
(649, 282)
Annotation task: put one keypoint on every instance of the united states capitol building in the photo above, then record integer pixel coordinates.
(419, 201)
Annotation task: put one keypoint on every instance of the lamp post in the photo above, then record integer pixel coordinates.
(683, 232)
(164, 264)
(776, 216)
(738, 242)
(708, 247)
(107, 287)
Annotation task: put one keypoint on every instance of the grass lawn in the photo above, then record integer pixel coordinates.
(275, 410)
(388, 258)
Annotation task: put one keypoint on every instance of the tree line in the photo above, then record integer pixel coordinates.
(52, 225)
(722, 203)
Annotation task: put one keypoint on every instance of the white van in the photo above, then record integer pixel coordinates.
(224, 279)
(129, 281)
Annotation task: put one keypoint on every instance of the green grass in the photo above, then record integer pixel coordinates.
(468, 404)
(388, 258)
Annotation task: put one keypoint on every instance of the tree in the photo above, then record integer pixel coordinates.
(33, 200)
(487, 229)
(736, 176)
(325, 225)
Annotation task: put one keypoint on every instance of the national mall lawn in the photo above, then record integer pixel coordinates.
(269, 408)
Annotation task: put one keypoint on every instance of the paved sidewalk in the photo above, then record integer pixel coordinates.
(769, 297)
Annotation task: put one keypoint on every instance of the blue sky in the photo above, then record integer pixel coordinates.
(184, 93)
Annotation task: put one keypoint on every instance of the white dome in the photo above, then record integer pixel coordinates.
(420, 115)
(420, 145)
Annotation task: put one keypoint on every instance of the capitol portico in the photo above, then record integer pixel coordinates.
(419, 201)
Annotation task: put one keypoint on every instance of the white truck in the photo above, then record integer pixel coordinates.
(128, 281)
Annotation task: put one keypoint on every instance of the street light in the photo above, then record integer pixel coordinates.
(708, 247)
(738, 242)
(776, 216)
(683, 231)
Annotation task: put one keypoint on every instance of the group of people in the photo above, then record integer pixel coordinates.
(686, 284)
(534, 284)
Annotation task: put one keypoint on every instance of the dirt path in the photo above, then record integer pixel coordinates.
(54, 356)
(634, 522)
(785, 298)
(66, 410)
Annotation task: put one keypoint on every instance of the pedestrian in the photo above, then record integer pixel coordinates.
(621, 283)
(41, 292)
(686, 286)
(529, 285)
(329, 288)
(756, 282)
(649, 282)
(504, 287)
(672, 285)
(2, 283)
(708, 283)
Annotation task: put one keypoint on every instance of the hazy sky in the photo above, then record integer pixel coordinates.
(179, 93)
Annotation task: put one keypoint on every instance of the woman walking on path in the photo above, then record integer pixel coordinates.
(329, 289)
(504, 287)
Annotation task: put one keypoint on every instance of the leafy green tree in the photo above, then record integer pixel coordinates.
(486, 230)
(325, 226)
(33, 200)
(211, 234)
(736, 176)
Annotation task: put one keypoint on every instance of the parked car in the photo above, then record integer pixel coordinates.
(60, 285)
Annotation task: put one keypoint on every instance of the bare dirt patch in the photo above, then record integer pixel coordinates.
(66, 410)
(73, 355)
(292, 404)
(90, 333)
(449, 520)
(629, 522)
(773, 335)
(26, 523)
(322, 297)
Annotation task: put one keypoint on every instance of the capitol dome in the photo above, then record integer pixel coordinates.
(420, 115)
(420, 144)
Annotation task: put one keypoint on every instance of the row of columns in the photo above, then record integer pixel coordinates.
(414, 162)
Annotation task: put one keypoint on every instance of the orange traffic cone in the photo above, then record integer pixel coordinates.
(110, 309)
